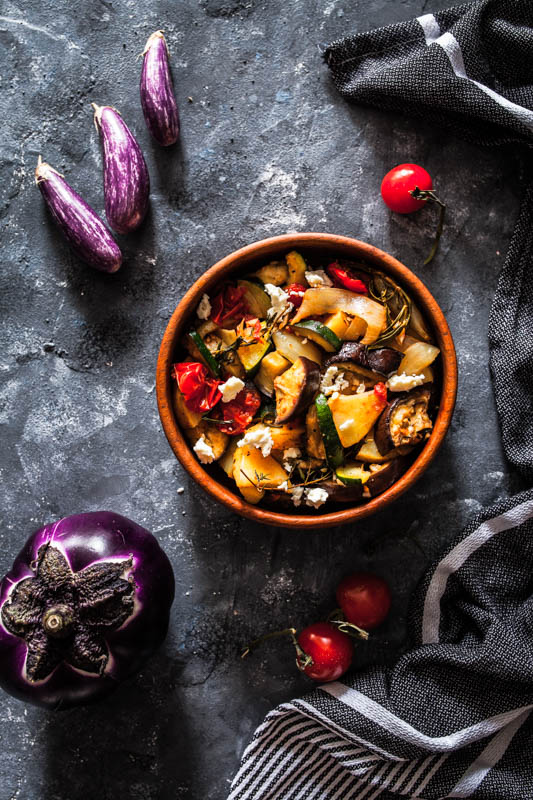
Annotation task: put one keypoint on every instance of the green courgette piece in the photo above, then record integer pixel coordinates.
(200, 350)
(267, 412)
(332, 443)
(256, 299)
(318, 332)
(350, 474)
(251, 355)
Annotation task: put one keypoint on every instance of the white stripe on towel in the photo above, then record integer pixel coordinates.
(457, 557)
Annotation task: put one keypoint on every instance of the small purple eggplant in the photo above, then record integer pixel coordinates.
(157, 93)
(80, 225)
(126, 179)
(86, 602)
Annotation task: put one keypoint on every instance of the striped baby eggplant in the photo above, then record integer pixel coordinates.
(126, 179)
(80, 225)
(157, 93)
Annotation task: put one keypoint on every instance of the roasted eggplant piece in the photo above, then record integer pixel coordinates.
(385, 360)
(383, 476)
(338, 493)
(295, 388)
(405, 421)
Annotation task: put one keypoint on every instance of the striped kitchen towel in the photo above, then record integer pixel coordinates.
(453, 717)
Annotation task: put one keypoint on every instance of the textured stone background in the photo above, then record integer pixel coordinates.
(267, 147)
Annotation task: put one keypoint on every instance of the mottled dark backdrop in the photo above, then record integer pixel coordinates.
(267, 147)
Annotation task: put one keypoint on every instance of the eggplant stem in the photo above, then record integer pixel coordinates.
(429, 194)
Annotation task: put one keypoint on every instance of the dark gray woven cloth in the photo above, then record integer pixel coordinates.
(453, 717)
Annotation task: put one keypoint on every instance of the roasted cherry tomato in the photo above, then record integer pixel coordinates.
(346, 279)
(397, 185)
(331, 651)
(296, 294)
(240, 411)
(200, 391)
(380, 390)
(364, 599)
(228, 306)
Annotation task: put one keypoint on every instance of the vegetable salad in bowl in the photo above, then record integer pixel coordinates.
(307, 384)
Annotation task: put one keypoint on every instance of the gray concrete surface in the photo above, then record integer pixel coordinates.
(267, 147)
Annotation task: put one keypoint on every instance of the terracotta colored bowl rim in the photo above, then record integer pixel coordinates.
(265, 249)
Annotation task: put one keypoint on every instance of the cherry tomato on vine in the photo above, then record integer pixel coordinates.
(331, 651)
(364, 599)
(397, 185)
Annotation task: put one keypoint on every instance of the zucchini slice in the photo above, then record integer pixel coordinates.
(275, 273)
(251, 355)
(351, 474)
(198, 349)
(319, 333)
(332, 443)
(297, 268)
(256, 299)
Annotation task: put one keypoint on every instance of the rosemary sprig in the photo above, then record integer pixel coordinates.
(397, 306)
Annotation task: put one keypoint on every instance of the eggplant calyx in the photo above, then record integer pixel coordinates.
(42, 171)
(151, 39)
(58, 621)
(63, 616)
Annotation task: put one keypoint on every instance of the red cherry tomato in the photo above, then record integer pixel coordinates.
(228, 306)
(399, 182)
(239, 412)
(380, 390)
(296, 294)
(331, 651)
(200, 391)
(364, 599)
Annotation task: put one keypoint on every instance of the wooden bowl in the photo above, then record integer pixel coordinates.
(211, 478)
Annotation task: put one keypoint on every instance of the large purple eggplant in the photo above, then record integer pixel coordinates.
(157, 93)
(86, 602)
(80, 225)
(126, 179)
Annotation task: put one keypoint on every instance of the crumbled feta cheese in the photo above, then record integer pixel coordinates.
(297, 494)
(284, 487)
(279, 298)
(332, 382)
(317, 278)
(403, 382)
(315, 497)
(260, 437)
(230, 389)
(346, 424)
(291, 452)
(204, 308)
(361, 388)
(204, 451)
